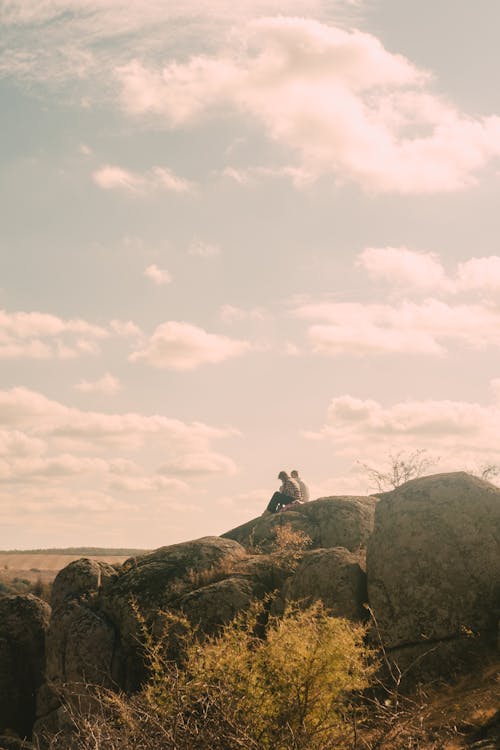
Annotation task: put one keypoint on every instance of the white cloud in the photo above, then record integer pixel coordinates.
(408, 269)
(406, 327)
(125, 328)
(158, 275)
(150, 483)
(463, 434)
(231, 314)
(24, 409)
(23, 325)
(404, 267)
(338, 99)
(53, 456)
(254, 175)
(166, 179)
(182, 346)
(36, 335)
(203, 249)
(199, 464)
(17, 444)
(479, 274)
(157, 178)
(112, 178)
(107, 384)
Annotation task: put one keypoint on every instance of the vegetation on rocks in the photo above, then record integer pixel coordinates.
(289, 686)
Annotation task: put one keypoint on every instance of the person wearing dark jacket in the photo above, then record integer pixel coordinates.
(288, 493)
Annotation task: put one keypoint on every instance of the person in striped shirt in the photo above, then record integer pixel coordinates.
(288, 493)
(304, 491)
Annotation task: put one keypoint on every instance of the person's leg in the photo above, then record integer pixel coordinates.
(275, 502)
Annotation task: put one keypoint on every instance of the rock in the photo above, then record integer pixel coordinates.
(81, 578)
(218, 603)
(333, 575)
(433, 560)
(156, 581)
(81, 642)
(23, 624)
(329, 522)
(80, 646)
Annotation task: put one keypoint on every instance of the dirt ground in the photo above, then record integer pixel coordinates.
(461, 715)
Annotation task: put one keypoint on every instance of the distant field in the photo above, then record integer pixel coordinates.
(46, 565)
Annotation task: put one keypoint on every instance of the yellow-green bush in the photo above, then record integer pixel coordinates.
(289, 690)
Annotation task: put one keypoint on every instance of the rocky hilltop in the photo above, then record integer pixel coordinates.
(424, 559)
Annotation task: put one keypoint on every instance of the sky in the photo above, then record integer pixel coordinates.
(240, 238)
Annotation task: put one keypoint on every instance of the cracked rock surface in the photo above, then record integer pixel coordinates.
(433, 560)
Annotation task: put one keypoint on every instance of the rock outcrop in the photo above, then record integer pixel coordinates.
(335, 576)
(23, 623)
(329, 522)
(433, 568)
(433, 560)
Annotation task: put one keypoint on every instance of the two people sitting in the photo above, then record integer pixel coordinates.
(292, 492)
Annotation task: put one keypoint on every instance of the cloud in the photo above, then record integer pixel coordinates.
(416, 271)
(406, 327)
(147, 484)
(343, 104)
(125, 328)
(112, 178)
(14, 443)
(340, 101)
(158, 178)
(36, 335)
(199, 464)
(479, 274)
(401, 266)
(107, 384)
(52, 457)
(182, 346)
(158, 275)
(21, 408)
(84, 39)
(464, 434)
(231, 314)
(254, 175)
(203, 249)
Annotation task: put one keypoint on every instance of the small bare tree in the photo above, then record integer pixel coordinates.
(402, 467)
(490, 472)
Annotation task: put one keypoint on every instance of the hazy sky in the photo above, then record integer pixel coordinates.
(240, 237)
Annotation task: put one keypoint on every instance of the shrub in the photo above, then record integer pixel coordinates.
(290, 544)
(290, 690)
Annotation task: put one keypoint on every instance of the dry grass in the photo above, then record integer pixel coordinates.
(46, 566)
(439, 716)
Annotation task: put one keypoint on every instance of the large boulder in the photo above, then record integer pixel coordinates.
(335, 576)
(80, 646)
(80, 579)
(433, 560)
(80, 641)
(157, 581)
(23, 624)
(329, 522)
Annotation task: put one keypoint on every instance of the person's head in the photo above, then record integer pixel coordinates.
(282, 475)
(295, 474)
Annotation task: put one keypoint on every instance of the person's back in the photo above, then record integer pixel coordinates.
(304, 491)
(291, 488)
